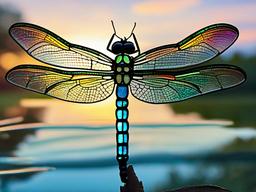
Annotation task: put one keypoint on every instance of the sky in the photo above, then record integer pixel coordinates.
(159, 22)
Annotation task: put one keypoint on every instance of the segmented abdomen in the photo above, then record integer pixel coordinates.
(122, 127)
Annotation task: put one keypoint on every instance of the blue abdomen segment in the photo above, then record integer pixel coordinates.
(122, 92)
(122, 125)
(122, 128)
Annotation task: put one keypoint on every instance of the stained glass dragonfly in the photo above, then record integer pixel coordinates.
(160, 75)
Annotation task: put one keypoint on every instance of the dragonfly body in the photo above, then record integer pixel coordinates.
(123, 66)
(160, 75)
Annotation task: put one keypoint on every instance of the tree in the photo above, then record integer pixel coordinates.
(8, 16)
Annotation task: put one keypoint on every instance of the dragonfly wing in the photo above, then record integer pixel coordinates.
(199, 47)
(79, 87)
(49, 48)
(168, 88)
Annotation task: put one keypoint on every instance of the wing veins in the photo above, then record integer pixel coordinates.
(30, 36)
(192, 85)
(205, 43)
(33, 47)
(174, 90)
(69, 91)
(67, 57)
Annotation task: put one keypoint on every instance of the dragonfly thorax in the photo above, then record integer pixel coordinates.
(123, 67)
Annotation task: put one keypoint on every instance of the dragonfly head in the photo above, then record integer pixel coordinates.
(118, 45)
(123, 46)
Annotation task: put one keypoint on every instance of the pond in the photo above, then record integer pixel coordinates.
(170, 151)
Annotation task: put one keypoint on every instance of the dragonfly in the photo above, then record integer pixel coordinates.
(160, 75)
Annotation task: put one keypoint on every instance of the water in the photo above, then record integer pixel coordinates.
(66, 158)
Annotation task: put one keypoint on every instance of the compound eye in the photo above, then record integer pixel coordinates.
(117, 47)
(129, 47)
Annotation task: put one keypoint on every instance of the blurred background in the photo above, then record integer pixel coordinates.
(209, 139)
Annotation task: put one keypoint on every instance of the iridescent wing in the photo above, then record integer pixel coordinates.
(199, 47)
(173, 86)
(49, 48)
(73, 86)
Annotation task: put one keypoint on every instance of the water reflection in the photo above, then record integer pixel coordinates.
(24, 170)
(103, 113)
(86, 143)
(11, 121)
(8, 176)
(10, 140)
(180, 152)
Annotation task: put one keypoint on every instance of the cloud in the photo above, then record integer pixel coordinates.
(163, 7)
(247, 36)
(244, 13)
(173, 28)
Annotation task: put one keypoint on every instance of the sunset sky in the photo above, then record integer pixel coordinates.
(158, 22)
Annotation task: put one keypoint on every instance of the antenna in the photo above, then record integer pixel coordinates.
(132, 30)
(133, 27)
(112, 22)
